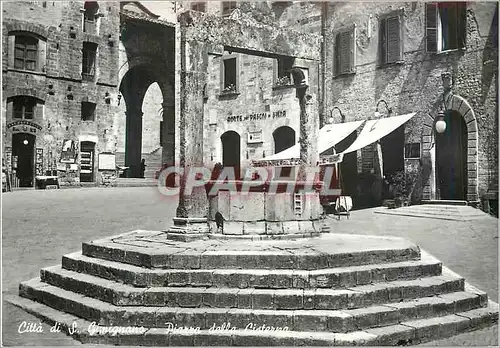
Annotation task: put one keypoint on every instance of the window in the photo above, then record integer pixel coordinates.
(25, 52)
(229, 74)
(345, 52)
(23, 108)
(390, 39)
(88, 111)
(228, 7)
(90, 15)
(412, 150)
(284, 68)
(89, 57)
(445, 26)
(198, 6)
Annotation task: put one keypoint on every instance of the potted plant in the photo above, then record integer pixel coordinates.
(403, 184)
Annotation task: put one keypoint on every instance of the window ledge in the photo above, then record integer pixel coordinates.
(452, 51)
(278, 87)
(228, 94)
(386, 65)
(345, 74)
(34, 72)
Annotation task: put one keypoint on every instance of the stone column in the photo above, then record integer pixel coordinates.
(133, 142)
(309, 128)
(191, 215)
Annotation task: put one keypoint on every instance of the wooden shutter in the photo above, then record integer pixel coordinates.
(382, 39)
(352, 50)
(461, 24)
(345, 52)
(393, 39)
(431, 18)
(336, 60)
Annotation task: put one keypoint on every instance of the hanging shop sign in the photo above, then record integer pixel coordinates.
(68, 153)
(23, 126)
(257, 116)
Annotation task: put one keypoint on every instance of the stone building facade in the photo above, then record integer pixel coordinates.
(60, 64)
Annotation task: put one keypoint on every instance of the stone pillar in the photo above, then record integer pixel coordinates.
(191, 215)
(133, 142)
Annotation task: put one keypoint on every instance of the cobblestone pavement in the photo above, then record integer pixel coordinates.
(41, 226)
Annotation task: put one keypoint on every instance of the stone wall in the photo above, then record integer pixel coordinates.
(58, 83)
(415, 85)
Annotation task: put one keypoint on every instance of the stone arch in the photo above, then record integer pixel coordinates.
(29, 28)
(284, 137)
(461, 106)
(18, 91)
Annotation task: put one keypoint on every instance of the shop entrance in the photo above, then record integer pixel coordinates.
(451, 158)
(87, 161)
(231, 151)
(23, 148)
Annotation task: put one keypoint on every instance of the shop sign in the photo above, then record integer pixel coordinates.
(23, 126)
(39, 161)
(68, 153)
(257, 116)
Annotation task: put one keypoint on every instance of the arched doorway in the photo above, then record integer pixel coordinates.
(451, 158)
(23, 150)
(231, 151)
(284, 137)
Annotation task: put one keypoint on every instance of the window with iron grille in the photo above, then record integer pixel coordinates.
(89, 58)
(345, 52)
(412, 150)
(446, 25)
(25, 52)
(23, 108)
(198, 6)
(390, 39)
(228, 7)
(88, 111)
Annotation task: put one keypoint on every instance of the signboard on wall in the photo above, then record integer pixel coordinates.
(39, 161)
(257, 116)
(8, 158)
(68, 153)
(107, 161)
(23, 126)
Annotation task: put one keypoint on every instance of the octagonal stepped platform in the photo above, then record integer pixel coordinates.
(141, 289)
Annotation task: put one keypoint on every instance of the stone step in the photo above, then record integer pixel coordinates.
(444, 202)
(407, 333)
(179, 256)
(149, 181)
(252, 278)
(193, 297)
(105, 314)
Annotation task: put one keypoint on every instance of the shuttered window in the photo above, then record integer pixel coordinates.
(198, 6)
(89, 58)
(446, 26)
(345, 52)
(25, 52)
(390, 42)
(228, 7)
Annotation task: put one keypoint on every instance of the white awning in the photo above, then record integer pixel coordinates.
(329, 136)
(377, 129)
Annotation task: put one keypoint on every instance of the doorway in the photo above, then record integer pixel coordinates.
(23, 151)
(87, 161)
(451, 158)
(393, 146)
(284, 137)
(231, 151)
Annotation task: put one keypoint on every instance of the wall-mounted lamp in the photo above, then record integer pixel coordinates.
(107, 98)
(119, 98)
(342, 116)
(440, 123)
(389, 110)
(25, 141)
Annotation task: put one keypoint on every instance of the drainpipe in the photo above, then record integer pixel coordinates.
(322, 65)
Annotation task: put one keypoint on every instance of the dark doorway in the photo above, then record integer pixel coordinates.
(284, 137)
(23, 148)
(348, 176)
(231, 151)
(451, 158)
(393, 159)
(87, 161)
